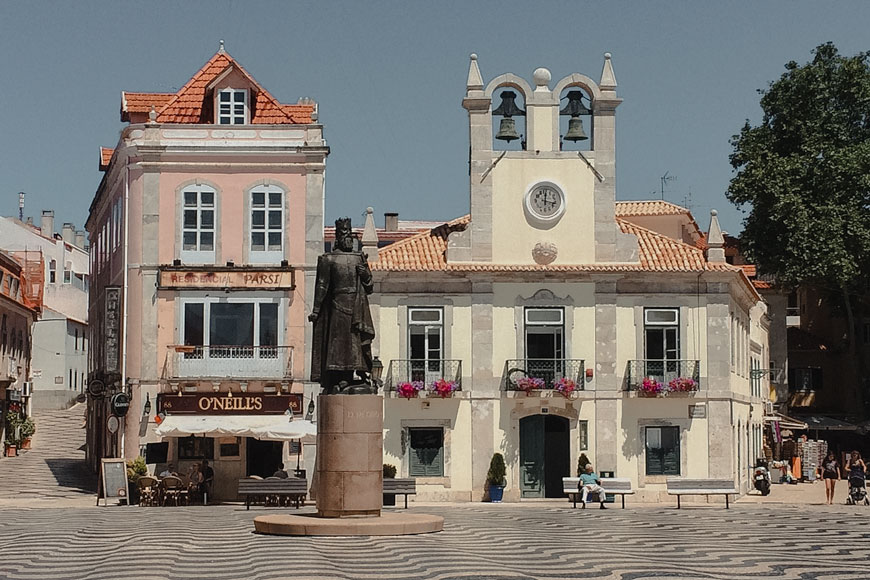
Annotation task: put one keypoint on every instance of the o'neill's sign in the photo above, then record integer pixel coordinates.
(224, 404)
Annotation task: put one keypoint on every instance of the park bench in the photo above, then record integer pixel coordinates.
(620, 486)
(400, 486)
(290, 489)
(679, 486)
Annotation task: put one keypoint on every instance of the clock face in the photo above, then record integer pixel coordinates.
(546, 201)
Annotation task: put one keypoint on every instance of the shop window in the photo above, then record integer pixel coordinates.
(663, 451)
(229, 447)
(426, 452)
(232, 324)
(195, 448)
(805, 379)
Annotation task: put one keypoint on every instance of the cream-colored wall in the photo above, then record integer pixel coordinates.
(573, 235)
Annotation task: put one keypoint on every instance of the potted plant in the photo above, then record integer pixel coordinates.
(565, 386)
(652, 387)
(26, 431)
(444, 388)
(409, 390)
(136, 468)
(13, 433)
(495, 478)
(529, 384)
(683, 385)
(389, 473)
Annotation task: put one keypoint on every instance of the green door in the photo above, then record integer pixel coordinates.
(532, 456)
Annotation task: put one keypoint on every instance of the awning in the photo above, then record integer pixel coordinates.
(785, 422)
(266, 427)
(825, 423)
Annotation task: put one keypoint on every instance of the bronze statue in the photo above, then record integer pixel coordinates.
(341, 352)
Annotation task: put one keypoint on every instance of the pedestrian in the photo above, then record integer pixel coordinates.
(830, 473)
(855, 466)
(590, 482)
(281, 473)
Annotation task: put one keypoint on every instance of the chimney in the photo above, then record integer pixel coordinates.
(391, 222)
(80, 239)
(47, 225)
(68, 233)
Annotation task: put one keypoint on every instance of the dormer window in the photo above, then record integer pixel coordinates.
(232, 107)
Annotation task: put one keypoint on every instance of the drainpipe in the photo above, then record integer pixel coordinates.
(124, 293)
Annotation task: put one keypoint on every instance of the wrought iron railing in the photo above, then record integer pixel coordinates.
(663, 372)
(425, 371)
(266, 362)
(547, 369)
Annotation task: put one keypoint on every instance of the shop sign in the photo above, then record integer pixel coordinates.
(222, 404)
(228, 279)
(112, 329)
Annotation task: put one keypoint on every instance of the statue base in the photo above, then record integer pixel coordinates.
(387, 524)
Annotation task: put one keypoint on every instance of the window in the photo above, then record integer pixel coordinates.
(198, 224)
(805, 379)
(231, 324)
(661, 332)
(267, 223)
(663, 451)
(583, 439)
(67, 273)
(231, 107)
(229, 447)
(545, 343)
(425, 343)
(195, 448)
(426, 452)
(52, 272)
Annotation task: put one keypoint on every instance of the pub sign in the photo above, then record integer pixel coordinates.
(222, 404)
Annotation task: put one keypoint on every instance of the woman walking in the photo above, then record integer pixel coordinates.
(830, 473)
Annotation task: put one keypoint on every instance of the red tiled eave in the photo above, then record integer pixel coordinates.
(648, 208)
(105, 157)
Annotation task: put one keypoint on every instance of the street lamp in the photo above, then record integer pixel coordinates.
(309, 415)
(146, 410)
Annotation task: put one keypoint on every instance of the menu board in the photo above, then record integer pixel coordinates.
(114, 480)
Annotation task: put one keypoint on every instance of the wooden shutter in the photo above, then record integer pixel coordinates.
(426, 452)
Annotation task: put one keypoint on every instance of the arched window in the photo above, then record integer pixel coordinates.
(267, 224)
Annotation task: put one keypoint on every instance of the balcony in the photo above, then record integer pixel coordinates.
(548, 369)
(243, 362)
(426, 371)
(663, 372)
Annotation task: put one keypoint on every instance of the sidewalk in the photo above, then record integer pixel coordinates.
(800, 494)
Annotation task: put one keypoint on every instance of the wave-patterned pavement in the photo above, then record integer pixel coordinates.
(479, 541)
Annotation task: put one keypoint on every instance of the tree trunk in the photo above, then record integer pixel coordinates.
(856, 359)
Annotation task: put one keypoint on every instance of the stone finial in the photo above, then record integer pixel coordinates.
(542, 77)
(221, 49)
(370, 235)
(152, 115)
(608, 79)
(715, 239)
(475, 80)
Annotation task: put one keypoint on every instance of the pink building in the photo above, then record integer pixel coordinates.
(204, 232)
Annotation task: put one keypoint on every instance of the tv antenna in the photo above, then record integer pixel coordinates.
(665, 179)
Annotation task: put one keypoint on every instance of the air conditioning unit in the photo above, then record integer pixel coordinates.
(27, 388)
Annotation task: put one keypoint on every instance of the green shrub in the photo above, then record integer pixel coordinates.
(389, 471)
(13, 428)
(582, 462)
(136, 468)
(28, 428)
(497, 470)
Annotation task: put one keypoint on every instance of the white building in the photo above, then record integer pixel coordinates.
(59, 363)
(550, 278)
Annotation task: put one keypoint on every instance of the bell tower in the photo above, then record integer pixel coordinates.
(542, 182)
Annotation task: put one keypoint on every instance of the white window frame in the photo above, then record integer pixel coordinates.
(67, 273)
(269, 254)
(207, 301)
(198, 255)
(230, 110)
(431, 367)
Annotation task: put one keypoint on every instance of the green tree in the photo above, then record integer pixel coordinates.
(804, 175)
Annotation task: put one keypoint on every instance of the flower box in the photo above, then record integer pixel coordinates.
(530, 384)
(564, 386)
(409, 390)
(443, 388)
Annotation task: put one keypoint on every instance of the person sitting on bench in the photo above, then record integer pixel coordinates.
(590, 482)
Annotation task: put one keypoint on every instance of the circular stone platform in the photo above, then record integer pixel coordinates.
(388, 524)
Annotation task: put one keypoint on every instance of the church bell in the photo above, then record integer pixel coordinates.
(507, 129)
(575, 108)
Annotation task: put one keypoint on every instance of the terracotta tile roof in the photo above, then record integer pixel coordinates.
(142, 102)
(647, 208)
(425, 251)
(748, 269)
(762, 284)
(188, 105)
(105, 157)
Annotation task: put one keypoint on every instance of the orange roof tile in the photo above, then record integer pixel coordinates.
(748, 269)
(658, 253)
(648, 208)
(142, 102)
(105, 157)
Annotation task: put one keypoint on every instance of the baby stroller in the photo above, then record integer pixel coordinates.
(857, 489)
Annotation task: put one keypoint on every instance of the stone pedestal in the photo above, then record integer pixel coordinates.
(350, 455)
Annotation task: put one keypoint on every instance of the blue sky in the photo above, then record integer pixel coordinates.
(390, 76)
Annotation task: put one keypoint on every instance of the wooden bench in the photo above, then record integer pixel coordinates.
(400, 486)
(293, 489)
(620, 486)
(679, 486)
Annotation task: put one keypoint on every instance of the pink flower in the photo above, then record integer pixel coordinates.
(444, 388)
(530, 383)
(565, 386)
(409, 390)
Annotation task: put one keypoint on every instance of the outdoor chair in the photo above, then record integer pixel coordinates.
(148, 495)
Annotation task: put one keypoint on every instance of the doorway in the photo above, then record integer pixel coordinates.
(545, 455)
(264, 457)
